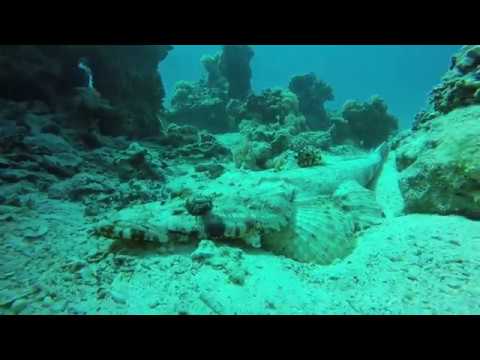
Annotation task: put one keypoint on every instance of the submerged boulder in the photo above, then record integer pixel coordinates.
(461, 84)
(440, 165)
(80, 186)
(137, 162)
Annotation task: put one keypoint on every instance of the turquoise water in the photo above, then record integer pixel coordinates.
(267, 180)
(402, 74)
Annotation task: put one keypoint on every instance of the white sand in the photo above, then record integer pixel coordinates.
(387, 190)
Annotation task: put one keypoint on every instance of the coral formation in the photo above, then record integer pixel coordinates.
(39, 156)
(126, 76)
(312, 94)
(440, 165)
(32, 73)
(215, 79)
(272, 105)
(367, 123)
(270, 122)
(197, 104)
(263, 142)
(230, 201)
(234, 65)
(208, 103)
(438, 159)
(321, 140)
(461, 84)
(190, 142)
(174, 135)
(211, 108)
(308, 156)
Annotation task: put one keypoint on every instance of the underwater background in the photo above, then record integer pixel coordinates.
(402, 74)
(238, 179)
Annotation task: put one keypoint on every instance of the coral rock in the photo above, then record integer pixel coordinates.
(367, 123)
(440, 165)
(194, 103)
(460, 86)
(235, 67)
(137, 162)
(312, 94)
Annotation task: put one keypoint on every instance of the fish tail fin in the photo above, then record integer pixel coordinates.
(383, 150)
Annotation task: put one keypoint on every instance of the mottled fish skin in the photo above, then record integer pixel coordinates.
(269, 208)
(325, 179)
(151, 222)
(162, 224)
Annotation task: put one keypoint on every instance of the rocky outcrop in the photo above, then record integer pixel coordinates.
(460, 86)
(440, 165)
(32, 155)
(438, 159)
(126, 77)
(80, 186)
(89, 112)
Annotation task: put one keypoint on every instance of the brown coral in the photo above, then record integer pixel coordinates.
(308, 156)
(460, 86)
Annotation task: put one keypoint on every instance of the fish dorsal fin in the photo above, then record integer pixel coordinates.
(324, 227)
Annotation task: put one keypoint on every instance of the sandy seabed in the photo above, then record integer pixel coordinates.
(410, 264)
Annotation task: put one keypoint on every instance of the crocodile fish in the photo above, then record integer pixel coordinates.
(308, 214)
